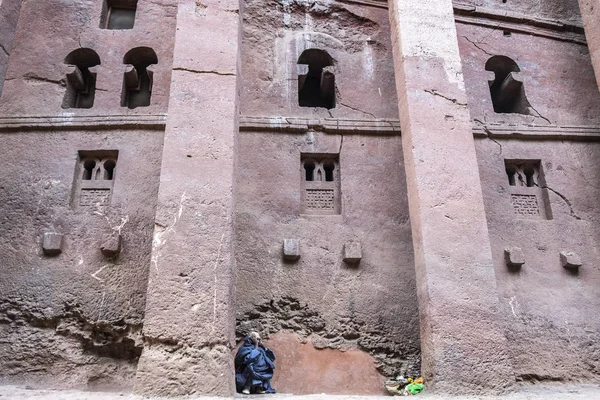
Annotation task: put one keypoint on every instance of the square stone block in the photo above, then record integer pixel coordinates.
(52, 243)
(352, 252)
(514, 257)
(291, 249)
(570, 260)
(112, 246)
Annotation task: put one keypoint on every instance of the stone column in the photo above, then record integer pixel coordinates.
(462, 338)
(189, 328)
(590, 13)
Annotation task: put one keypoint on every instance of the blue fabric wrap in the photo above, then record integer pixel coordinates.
(254, 367)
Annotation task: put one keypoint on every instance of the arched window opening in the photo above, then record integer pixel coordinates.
(137, 80)
(309, 169)
(529, 179)
(316, 88)
(511, 172)
(508, 94)
(109, 169)
(81, 82)
(88, 169)
(118, 14)
(329, 167)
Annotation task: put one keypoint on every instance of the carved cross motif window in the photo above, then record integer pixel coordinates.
(320, 184)
(94, 179)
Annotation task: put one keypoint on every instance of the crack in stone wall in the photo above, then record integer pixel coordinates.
(288, 314)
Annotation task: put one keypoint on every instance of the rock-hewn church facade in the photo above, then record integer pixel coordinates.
(409, 187)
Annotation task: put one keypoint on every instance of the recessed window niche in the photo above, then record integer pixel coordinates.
(320, 184)
(81, 78)
(95, 174)
(316, 86)
(138, 77)
(118, 14)
(527, 189)
(507, 91)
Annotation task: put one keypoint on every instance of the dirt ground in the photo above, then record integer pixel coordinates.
(536, 392)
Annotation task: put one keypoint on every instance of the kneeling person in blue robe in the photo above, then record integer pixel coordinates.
(254, 366)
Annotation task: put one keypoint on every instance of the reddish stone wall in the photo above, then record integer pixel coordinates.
(35, 80)
(549, 311)
(74, 319)
(557, 75)
(370, 306)
(562, 10)
(356, 36)
(9, 16)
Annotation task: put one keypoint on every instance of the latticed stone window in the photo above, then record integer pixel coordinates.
(320, 184)
(527, 188)
(94, 178)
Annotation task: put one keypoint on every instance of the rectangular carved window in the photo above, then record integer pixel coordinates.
(94, 179)
(118, 14)
(320, 184)
(527, 188)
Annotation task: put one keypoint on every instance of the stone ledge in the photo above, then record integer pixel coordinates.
(513, 21)
(327, 125)
(533, 132)
(89, 122)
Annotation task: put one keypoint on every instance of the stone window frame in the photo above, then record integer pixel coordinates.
(107, 7)
(100, 177)
(296, 45)
(508, 96)
(525, 179)
(321, 182)
(81, 78)
(139, 63)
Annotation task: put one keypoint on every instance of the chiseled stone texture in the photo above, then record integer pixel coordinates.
(74, 320)
(352, 252)
(291, 249)
(570, 260)
(590, 14)
(372, 308)
(9, 16)
(557, 76)
(189, 325)
(356, 36)
(36, 74)
(548, 310)
(455, 277)
(52, 243)
(514, 257)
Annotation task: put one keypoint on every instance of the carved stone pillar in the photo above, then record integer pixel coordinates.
(189, 327)
(590, 13)
(462, 337)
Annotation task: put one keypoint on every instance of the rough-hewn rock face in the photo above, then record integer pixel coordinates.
(77, 314)
(108, 282)
(289, 315)
(369, 306)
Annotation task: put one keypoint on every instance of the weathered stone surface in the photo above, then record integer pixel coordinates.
(76, 320)
(570, 260)
(190, 319)
(111, 247)
(352, 252)
(291, 249)
(514, 257)
(52, 243)
(455, 276)
(590, 14)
